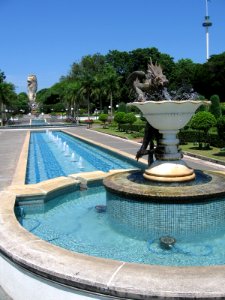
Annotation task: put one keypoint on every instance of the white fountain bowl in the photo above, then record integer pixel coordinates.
(173, 115)
(168, 117)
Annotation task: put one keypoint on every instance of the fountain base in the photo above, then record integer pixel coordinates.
(169, 171)
(132, 184)
(147, 209)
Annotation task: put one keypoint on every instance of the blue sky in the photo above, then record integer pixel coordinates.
(45, 37)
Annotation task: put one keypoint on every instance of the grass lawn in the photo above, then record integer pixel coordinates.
(213, 152)
(114, 131)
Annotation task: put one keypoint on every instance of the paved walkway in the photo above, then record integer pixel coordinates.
(3, 295)
(11, 143)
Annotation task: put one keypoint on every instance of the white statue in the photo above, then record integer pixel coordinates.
(31, 90)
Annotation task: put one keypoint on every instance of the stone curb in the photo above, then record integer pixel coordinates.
(202, 157)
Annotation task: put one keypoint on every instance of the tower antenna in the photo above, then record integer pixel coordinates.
(207, 23)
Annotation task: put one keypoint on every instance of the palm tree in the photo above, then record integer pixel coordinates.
(98, 90)
(110, 84)
(7, 95)
(87, 87)
(72, 96)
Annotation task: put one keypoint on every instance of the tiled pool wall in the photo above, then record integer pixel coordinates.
(146, 219)
(114, 152)
(36, 203)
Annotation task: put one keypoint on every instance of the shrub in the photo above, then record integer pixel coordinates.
(193, 136)
(133, 127)
(215, 107)
(221, 127)
(222, 106)
(103, 118)
(203, 121)
(119, 118)
(129, 118)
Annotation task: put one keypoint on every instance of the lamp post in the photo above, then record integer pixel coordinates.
(96, 113)
(6, 111)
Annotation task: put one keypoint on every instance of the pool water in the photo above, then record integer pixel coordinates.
(54, 154)
(71, 221)
(38, 122)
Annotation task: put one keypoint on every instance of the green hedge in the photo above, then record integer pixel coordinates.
(133, 127)
(192, 136)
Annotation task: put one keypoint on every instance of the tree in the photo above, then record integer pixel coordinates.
(7, 95)
(110, 84)
(182, 74)
(210, 77)
(98, 91)
(87, 86)
(122, 107)
(203, 120)
(72, 97)
(20, 103)
(215, 108)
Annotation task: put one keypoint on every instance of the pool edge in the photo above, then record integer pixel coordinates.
(93, 274)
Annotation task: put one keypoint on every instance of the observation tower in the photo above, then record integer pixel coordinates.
(207, 23)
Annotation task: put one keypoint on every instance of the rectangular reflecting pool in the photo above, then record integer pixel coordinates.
(54, 154)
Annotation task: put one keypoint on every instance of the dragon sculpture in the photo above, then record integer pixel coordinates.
(151, 86)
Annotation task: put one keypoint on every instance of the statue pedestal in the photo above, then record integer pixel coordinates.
(169, 171)
(169, 167)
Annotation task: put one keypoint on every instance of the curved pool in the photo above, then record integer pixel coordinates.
(78, 221)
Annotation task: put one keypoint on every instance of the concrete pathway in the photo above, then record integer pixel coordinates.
(11, 143)
(3, 295)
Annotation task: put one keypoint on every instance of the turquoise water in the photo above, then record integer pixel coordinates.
(71, 221)
(54, 154)
(38, 122)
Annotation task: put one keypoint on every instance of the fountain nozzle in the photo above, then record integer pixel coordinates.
(167, 242)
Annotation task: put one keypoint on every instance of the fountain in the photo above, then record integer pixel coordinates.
(168, 180)
(73, 157)
(80, 163)
(67, 151)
